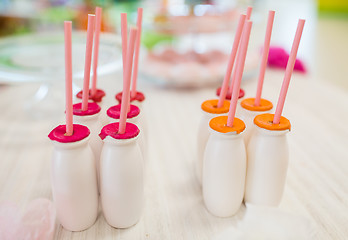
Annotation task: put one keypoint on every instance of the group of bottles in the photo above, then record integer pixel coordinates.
(96, 161)
(248, 161)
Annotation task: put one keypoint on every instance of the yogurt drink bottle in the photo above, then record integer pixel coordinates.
(224, 167)
(268, 157)
(209, 111)
(121, 176)
(74, 178)
(97, 98)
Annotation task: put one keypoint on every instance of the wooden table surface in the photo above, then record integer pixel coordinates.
(317, 182)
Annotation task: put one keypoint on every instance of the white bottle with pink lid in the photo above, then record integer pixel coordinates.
(121, 176)
(224, 167)
(74, 178)
(209, 111)
(90, 118)
(133, 116)
(268, 157)
(249, 111)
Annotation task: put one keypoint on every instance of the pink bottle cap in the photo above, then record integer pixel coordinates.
(112, 130)
(58, 134)
(115, 111)
(92, 109)
(138, 97)
(228, 95)
(98, 96)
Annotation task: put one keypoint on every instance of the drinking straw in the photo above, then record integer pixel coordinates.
(98, 14)
(124, 39)
(127, 80)
(264, 57)
(68, 79)
(88, 58)
(239, 72)
(248, 14)
(288, 71)
(136, 53)
(231, 60)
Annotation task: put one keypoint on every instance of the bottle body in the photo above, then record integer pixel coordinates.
(94, 125)
(268, 157)
(202, 139)
(224, 170)
(74, 185)
(248, 118)
(121, 182)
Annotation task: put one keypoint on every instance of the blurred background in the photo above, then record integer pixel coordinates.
(185, 43)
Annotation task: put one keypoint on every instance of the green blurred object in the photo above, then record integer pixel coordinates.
(57, 14)
(333, 6)
(151, 39)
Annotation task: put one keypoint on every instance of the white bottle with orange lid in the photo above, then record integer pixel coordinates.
(74, 178)
(121, 176)
(268, 158)
(133, 116)
(249, 111)
(90, 118)
(224, 167)
(209, 111)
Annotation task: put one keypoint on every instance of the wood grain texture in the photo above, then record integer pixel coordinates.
(317, 182)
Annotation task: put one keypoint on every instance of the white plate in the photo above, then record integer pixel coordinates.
(40, 57)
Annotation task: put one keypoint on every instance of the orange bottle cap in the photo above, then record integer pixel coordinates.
(266, 121)
(210, 106)
(219, 124)
(248, 104)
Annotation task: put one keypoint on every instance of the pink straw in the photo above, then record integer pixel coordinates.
(239, 69)
(248, 12)
(124, 39)
(127, 80)
(88, 58)
(68, 79)
(136, 54)
(288, 71)
(98, 14)
(264, 57)
(231, 59)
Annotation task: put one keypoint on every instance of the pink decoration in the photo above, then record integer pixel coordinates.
(264, 57)
(112, 130)
(278, 58)
(68, 78)
(228, 95)
(97, 97)
(98, 16)
(92, 108)
(248, 13)
(239, 72)
(58, 134)
(136, 53)
(115, 111)
(88, 58)
(288, 71)
(126, 80)
(139, 97)
(38, 222)
(124, 39)
(231, 60)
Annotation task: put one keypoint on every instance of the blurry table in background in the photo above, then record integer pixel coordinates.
(316, 105)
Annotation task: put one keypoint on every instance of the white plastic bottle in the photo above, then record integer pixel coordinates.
(74, 178)
(268, 158)
(90, 118)
(209, 111)
(121, 176)
(249, 111)
(133, 116)
(97, 98)
(224, 167)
